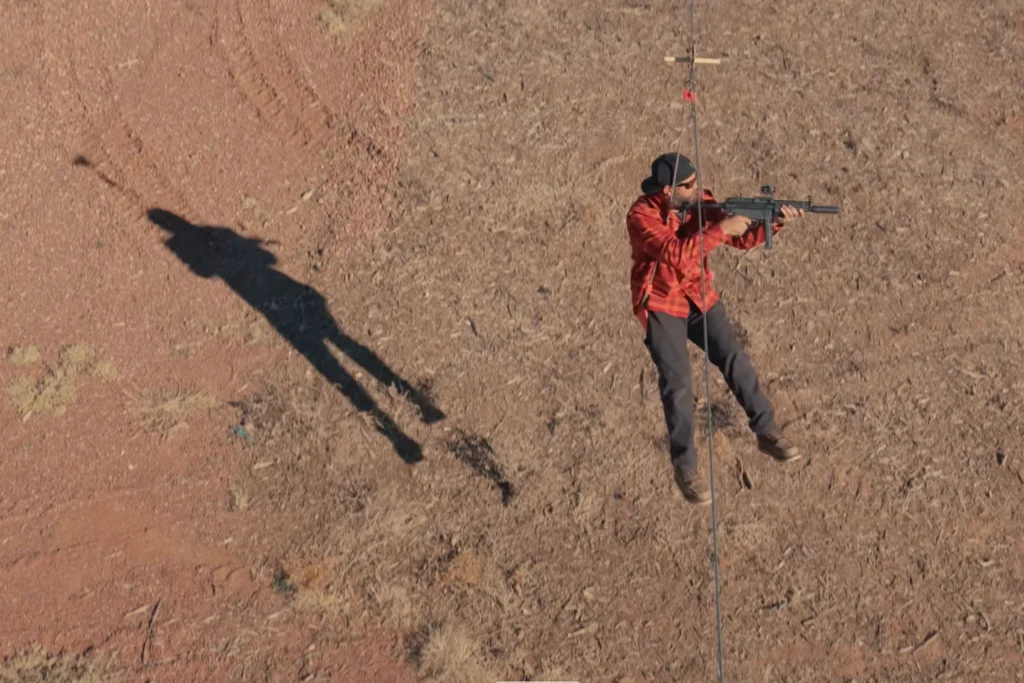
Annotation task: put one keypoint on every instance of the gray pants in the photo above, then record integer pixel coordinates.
(666, 341)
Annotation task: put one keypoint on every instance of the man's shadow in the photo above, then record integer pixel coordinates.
(297, 311)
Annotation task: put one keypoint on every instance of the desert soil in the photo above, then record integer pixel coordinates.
(318, 363)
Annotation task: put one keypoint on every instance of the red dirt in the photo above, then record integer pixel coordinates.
(443, 185)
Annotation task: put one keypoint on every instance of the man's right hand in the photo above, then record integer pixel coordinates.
(734, 226)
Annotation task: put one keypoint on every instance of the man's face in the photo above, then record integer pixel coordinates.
(685, 193)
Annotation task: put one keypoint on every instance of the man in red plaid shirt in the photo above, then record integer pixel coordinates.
(666, 292)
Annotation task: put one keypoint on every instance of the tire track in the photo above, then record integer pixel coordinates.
(266, 77)
(317, 117)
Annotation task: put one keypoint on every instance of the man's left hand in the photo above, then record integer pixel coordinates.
(789, 213)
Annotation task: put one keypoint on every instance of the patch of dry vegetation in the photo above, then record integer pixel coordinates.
(449, 655)
(339, 15)
(20, 356)
(56, 389)
(317, 592)
(104, 371)
(163, 411)
(35, 665)
(239, 499)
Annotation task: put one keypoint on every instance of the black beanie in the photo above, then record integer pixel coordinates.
(662, 169)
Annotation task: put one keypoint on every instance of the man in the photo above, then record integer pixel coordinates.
(666, 295)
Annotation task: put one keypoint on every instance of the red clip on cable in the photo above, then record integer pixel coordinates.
(689, 96)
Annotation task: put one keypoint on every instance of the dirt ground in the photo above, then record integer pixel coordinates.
(318, 363)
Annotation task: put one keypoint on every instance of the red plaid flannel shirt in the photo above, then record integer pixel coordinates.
(672, 252)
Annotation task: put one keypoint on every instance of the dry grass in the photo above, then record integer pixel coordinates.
(75, 357)
(239, 499)
(339, 15)
(451, 656)
(164, 411)
(20, 356)
(105, 371)
(325, 602)
(465, 569)
(50, 394)
(477, 573)
(395, 603)
(555, 672)
(317, 591)
(56, 389)
(34, 665)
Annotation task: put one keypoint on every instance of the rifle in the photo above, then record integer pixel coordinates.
(767, 209)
